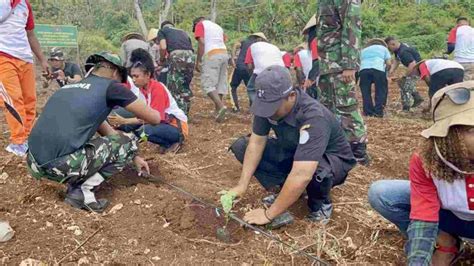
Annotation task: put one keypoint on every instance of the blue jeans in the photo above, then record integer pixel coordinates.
(163, 134)
(391, 199)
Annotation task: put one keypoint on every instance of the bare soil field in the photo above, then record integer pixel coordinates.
(159, 226)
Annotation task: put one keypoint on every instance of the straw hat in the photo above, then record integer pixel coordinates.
(132, 35)
(152, 34)
(259, 34)
(447, 113)
(311, 23)
(376, 41)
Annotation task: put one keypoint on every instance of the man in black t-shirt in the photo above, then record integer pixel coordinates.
(62, 145)
(176, 50)
(241, 72)
(310, 150)
(63, 72)
(409, 57)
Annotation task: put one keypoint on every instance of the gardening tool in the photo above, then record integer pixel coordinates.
(9, 103)
(218, 210)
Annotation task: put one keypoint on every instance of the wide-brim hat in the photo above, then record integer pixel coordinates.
(152, 34)
(311, 23)
(112, 58)
(259, 34)
(446, 113)
(132, 35)
(377, 41)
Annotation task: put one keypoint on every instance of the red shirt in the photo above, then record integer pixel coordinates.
(424, 71)
(424, 201)
(156, 97)
(313, 46)
(452, 35)
(287, 60)
(297, 61)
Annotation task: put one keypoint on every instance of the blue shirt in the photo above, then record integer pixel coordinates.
(374, 57)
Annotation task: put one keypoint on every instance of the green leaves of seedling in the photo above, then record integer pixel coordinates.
(227, 200)
(143, 137)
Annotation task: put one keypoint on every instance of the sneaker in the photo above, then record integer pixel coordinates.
(17, 149)
(221, 115)
(322, 215)
(269, 200)
(173, 148)
(281, 220)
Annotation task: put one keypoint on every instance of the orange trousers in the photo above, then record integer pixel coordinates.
(18, 78)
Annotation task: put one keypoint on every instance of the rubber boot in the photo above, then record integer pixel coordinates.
(75, 198)
(360, 153)
(417, 99)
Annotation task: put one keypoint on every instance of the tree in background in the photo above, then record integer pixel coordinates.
(102, 23)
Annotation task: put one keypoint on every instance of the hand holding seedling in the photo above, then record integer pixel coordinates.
(239, 190)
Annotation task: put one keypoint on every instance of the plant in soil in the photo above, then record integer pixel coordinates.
(227, 202)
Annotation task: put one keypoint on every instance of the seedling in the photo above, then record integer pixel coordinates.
(143, 136)
(227, 202)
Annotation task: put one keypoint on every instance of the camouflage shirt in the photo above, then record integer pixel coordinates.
(339, 35)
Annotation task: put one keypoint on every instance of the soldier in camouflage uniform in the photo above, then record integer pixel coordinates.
(177, 51)
(62, 146)
(409, 57)
(339, 35)
(179, 78)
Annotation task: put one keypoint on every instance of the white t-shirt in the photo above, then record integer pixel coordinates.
(212, 33)
(432, 66)
(305, 61)
(13, 38)
(263, 55)
(173, 109)
(463, 38)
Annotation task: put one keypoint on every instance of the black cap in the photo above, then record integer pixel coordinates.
(273, 84)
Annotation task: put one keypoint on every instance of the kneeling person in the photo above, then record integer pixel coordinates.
(310, 152)
(62, 145)
(172, 129)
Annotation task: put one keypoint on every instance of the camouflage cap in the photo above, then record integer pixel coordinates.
(452, 105)
(112, 58)
(56, 54)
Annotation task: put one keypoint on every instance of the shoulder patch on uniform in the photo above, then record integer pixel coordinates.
(304, 135)
(305, 127)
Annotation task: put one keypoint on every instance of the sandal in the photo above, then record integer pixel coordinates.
(457, 250)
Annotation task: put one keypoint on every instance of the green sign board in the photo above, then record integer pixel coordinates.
(56, 35)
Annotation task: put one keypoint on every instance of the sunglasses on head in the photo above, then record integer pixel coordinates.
(458, 96)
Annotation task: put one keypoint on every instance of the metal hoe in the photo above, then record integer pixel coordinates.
(235, 218)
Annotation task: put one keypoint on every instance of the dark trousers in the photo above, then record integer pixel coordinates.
(444, 78)
(251, 91)
(163, 134)
(240, 74)
(275, 166)
(379, 78)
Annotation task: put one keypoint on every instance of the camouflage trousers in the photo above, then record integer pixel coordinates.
(340, 98)
(181, 63)
(104, 155)
(407, 91)
(468, 71)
